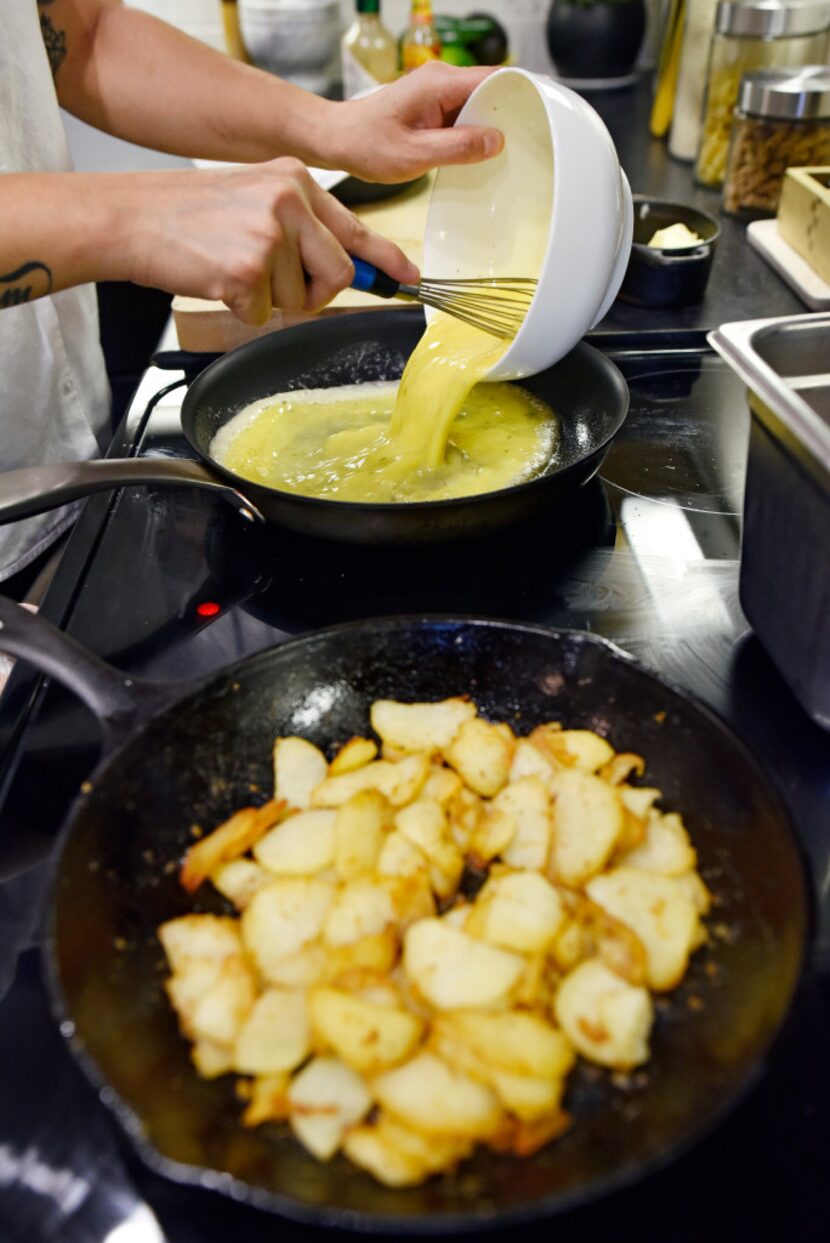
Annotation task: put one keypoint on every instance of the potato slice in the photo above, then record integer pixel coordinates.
(230, 840)
(443, 785)
(360, 829)
(300, 846)
(398, 857)
(435, 1153)
(666, 848)
(580, 748)
(366, 1036)
(276, 1036)
(427, 1095)
(267, 1097)
(299, 767)
(607, 1020)
(528, 802)
(375, 954)
(454, 971)
(399, 782)
(639, 800)
(517, 910)
(239, 880)
(325, 1099)
(514, 1041)
(530, 761)
(416, 727)
(529, 1099)
(283, 918)
(424, 824)
(620, 767)
(220, 1012)
(700, 897)
(370, 1149)
(211, 1060)
(353, 754)
(465, 811)
(659, 911)
(299, 970)
(492, 835)
(587, 822)
(481, 754)
(362, 908)
(199, 936)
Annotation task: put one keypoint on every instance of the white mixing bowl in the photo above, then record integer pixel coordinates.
(555, 204)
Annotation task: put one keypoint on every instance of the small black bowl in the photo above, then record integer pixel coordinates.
(675, 277)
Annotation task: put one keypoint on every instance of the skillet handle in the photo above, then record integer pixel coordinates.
(34, 489)
(119, 702)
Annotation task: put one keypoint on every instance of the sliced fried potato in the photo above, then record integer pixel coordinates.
(299, 970)
(435, 1153)
(443, 785)
(239, 880)
(211, 1060)
(529, 760)
(267, 1097)
(282, 919)
(492, 836)
(659, 911)
(639, 800)
(518, 911)
(607, 1020)
(360, 829)
(424, 824)
(230, 840)
(454, 971)
(465, 810)
(199, 936)
(481, 754)
(399, 782)
(621, 766)
(299, 767)
(514, 1041)
(587, 822)
(529, 1099)
(376, 954)
(220, 1012)
(370, 1149)
(666, 847)
(325, 1099)
(366, 1036)
(353, 754)
(362, 908)
(528, 802)
(276, 1035)
(580, 748)
(414, 727)
(398, 857)
(301, 846)
(427, 1095)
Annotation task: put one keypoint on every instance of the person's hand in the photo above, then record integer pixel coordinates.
(253, 237)
(405, 129)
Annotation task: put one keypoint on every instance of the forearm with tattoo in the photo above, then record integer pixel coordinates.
(54, 40)
(30, 280)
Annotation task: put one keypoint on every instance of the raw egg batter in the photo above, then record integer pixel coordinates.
(436, 435)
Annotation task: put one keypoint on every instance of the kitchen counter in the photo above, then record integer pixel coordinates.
(64, 1177)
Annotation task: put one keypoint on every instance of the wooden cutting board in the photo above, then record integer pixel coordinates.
(209, 327)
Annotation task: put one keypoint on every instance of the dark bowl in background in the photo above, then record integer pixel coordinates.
(675, 277)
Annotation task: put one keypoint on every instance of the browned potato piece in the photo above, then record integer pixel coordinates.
(607, 1020)
(414, 727)
(199, 936)
(365, 1036)
(481, 754)
(276, 1035)
(399, 782)
(301, 845)
(427, 1095)
(659, 911)
(239, 880)
(299, 767)
(282, 919)
(211, 1060)
(353, 754)
(587, 822)
(454, 971)
(325, 1099)
(267, 1097)
(231, 839)
(360, 828)
(527, 801)
(518, 911)
(580, 748)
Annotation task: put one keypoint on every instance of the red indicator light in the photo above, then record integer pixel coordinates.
(208, 608)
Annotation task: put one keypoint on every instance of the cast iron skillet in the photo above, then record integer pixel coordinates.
(585, 390)
(173, 758)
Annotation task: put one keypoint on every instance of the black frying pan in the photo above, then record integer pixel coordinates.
(585, 390)
(175, 758)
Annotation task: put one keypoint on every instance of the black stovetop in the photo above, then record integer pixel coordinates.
(647, 555)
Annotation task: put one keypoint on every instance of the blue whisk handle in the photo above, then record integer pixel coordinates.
(369, 279)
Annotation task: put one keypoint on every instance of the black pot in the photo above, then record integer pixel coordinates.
(595, 40)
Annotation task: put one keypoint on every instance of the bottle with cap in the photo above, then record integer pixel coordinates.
(421, 43)
(369, 54)
(751, 35)
(782, 120)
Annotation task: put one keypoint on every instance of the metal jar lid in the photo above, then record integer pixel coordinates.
(771, 19)
(791, 94)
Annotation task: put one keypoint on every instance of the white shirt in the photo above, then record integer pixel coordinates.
(54, 395)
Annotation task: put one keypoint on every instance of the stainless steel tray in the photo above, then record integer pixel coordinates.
(785, 557)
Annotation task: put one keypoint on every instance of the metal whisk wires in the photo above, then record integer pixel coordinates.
(495, 304)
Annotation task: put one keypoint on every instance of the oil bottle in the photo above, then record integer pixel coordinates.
(369, 53)
(421, 42)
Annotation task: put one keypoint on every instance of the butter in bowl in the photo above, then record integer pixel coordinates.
(671, 254)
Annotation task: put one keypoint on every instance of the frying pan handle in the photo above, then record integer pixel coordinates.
(34, 489)
(119, 701)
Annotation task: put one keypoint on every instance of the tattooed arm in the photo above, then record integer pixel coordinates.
(128, 73)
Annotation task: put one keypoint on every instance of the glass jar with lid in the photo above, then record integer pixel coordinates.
(782, 120)
(750, 35)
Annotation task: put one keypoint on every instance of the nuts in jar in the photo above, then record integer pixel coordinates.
(782, 120)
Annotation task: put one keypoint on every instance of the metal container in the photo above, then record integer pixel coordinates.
(782, 120)
(785, 564)
(750, 35)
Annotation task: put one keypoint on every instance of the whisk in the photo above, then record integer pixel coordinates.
(496, 304)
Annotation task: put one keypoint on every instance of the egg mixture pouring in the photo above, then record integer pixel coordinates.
(437, 434)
